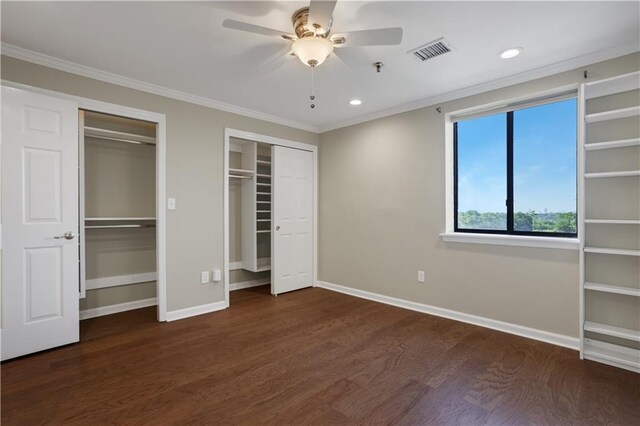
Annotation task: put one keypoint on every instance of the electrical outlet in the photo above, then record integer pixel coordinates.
(204, 277)
(420, 276)
(216, 275)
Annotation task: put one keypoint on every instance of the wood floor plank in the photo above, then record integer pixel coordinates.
(310, 357)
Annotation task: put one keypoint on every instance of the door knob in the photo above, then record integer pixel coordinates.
(277, 227)
(67, 236)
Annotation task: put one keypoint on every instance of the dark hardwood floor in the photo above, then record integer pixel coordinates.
(310, 357)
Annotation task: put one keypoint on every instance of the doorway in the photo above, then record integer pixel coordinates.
(270, 213)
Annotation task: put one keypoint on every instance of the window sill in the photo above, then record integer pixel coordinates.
(512, 240)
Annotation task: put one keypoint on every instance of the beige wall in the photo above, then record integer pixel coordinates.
(194, 172)
(382, 208)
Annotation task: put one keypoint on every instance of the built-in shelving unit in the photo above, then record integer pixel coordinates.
(255, 214)
(610, 308)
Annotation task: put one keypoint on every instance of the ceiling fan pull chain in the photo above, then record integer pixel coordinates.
(312, 97)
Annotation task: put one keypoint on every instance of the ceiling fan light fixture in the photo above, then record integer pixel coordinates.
(312, 51)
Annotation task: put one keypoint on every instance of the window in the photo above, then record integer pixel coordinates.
(515, 171)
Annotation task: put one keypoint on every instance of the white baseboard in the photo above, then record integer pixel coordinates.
(195, 310)
(120, 307)
(518, 330)
(248, 284)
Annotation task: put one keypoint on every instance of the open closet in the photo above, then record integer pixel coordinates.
(270, 221)
(83, 195)
(249, 213)
(117, 204)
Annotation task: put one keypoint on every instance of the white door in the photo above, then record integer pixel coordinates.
(40, 222)
(292, 219)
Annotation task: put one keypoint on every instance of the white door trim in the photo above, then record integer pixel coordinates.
(161, 173)
(241, 134)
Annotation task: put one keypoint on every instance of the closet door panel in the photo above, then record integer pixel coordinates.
(292, 254)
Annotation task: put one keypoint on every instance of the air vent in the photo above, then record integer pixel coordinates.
(431, 50)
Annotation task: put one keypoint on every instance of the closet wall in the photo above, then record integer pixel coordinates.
(119, 182)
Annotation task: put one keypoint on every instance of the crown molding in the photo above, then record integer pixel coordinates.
(546, 71)
(107, 77)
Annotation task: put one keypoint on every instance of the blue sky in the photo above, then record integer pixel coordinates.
(544, 160)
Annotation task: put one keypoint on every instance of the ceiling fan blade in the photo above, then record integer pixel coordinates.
(379, 37)
(276, 61)
(321, 13)
(256, 29)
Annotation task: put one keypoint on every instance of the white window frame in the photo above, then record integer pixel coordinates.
(449, 235)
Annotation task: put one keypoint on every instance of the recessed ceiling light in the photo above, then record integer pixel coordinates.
(510, 53)
(355, 102)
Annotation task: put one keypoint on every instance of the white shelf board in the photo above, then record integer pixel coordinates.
(94, 132)
(263, 202)
(606, 288)
(263, 193)
(621, 143)
(116, 281)
(625, 173)
(114, 219)
(263, 264)
(263, 231)
(263, 184)
(263, 211)
(612, 330)
(613, 114)
(615, 355)
(262, 175)
(614, 221)
(603, 250)
(263, 220)
(263, 162)
(242, 172)
(610, 86)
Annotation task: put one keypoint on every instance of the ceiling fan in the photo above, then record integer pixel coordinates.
(313, 42)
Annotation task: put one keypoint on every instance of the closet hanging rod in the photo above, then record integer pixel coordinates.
(108, 138)
(114, 219)
(112, 135)
(119, 226)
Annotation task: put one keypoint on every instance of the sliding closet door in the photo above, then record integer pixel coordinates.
(292, 220)
(40, 222)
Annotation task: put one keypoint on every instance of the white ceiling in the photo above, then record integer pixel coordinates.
(183, 46)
